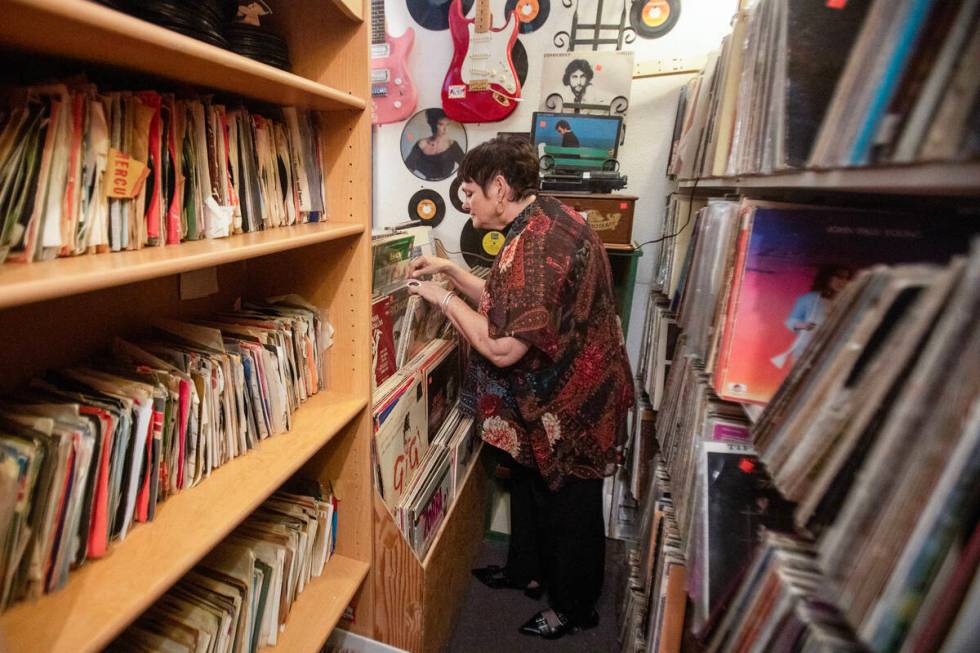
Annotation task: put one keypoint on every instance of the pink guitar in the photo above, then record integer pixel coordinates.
(393, 96)
(481, 84)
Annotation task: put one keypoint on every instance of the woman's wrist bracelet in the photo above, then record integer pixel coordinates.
(445, 302)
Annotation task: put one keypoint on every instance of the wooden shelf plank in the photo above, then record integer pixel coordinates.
(318, 609)
(105, 595)
(32, 282)
(86, 30)
(914, 179)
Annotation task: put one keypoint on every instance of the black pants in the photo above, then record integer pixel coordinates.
(557, 538)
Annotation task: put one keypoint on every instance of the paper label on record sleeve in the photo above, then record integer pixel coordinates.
(125, 175)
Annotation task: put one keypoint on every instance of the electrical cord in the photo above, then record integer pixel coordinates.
(690, 210)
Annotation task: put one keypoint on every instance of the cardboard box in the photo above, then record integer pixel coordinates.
(611, 216)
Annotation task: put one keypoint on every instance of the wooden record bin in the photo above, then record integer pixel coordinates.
(417, 601)
(58, 313)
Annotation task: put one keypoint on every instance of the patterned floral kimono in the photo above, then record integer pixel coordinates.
(562, 407)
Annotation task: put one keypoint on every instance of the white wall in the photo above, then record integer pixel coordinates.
(643, 156)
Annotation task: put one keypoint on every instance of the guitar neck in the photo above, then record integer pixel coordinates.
(377, 22)
(482, 18)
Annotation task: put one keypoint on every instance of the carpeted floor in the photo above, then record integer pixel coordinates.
(490, 618)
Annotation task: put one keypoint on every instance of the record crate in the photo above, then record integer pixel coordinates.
(417, 602)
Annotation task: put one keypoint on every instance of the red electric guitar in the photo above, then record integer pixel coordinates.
(393, 96)
(481, 84)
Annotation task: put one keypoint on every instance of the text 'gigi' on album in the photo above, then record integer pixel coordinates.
(86, 451)
(832, 84)
(86, 170)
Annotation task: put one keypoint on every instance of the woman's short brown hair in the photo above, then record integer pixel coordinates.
(511, 157)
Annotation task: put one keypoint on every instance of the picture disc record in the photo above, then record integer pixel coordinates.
(479, 246)
(456, 195)
(531, 14)
(434, 14)
(428, 206)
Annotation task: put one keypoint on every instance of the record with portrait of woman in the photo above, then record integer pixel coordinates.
(432, 145)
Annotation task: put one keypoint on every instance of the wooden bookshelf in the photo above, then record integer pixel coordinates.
(34, 282)
(322, 602)
(84, 30)
(59, 313)
(105, 595)
(953, 179)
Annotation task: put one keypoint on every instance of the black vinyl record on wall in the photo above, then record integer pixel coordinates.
(532, 14)
(518, 55)
(479, 246)
(654, 18)
(456, 195)
(434, 14)
(428, 206)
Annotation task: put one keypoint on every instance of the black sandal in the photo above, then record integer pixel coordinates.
(552, 624)
(493, 576)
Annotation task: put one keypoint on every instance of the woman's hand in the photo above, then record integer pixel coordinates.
(427, 265)
(428, 290)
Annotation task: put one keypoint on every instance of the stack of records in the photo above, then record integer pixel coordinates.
(259, 44)
(203, 20)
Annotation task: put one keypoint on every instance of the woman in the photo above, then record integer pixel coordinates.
(548, 383)
(436, 156)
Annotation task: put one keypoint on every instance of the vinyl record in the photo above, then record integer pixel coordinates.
(654, 18)
(432, 146)
(427, 206)
(456, 195)
(479, 246)
(518, 55)
(531, 14)
(434, 14)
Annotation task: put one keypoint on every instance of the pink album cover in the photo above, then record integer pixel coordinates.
(796, 260)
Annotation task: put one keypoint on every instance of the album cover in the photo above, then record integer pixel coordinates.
(400, 439)
(441, 387)
(586, 82)
(792, 263)
(739, 500)
(382, 340)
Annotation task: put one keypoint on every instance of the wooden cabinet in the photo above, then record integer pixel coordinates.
(610, 215)
(61, 312)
